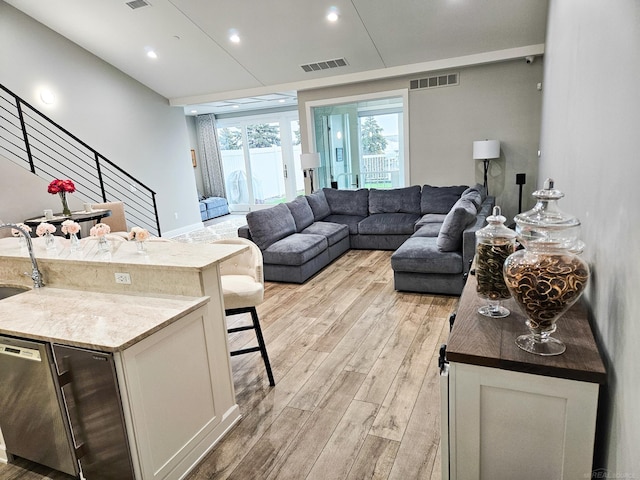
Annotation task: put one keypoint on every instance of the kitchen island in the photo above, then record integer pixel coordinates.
(160, 315)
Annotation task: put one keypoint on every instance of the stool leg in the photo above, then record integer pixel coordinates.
(263, 348)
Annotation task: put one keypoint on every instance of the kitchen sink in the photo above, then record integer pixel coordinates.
(11, 290)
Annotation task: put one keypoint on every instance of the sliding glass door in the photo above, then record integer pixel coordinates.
(361, 143)
(261, 160)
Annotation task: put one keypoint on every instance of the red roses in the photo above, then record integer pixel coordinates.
(61, 186)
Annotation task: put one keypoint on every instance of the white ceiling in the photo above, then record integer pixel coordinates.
(197, 62)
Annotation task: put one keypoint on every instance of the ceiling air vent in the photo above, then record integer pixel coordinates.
(324, 65)
(138, 4)
(444, 80)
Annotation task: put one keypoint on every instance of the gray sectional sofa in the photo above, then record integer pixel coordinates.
(431, 229)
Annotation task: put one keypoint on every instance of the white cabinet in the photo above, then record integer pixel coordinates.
(507, 425)
(508, 414)
(169, 386)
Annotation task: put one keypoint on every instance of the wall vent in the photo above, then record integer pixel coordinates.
(138, 4)
(444, 80)
(324, 65)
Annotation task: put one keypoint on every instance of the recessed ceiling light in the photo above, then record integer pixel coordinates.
(332, 15)
(151, 53)
(234, 36)
(194, 111)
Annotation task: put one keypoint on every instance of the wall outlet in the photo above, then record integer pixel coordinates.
(123, 278)
(175, 214)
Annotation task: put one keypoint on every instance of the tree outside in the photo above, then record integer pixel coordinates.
(263, 135)
(371, 138)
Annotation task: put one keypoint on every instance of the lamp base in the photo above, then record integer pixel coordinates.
(486, 171)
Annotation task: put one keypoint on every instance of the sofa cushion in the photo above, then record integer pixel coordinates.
(388, 224)
(428, 230)
(350, 221)
(439, 199)
(301, 212)
(318, 203)
(396, 200)
(296, 249)
(477, 194)
(347, 202)
(436, 218)
(333, 232)
(270, 225)
(462, 214)
(422, 255)
(481, 189)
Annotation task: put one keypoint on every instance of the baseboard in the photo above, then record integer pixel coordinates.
(183, 230)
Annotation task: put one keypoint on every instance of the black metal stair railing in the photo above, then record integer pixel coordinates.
(32, 140)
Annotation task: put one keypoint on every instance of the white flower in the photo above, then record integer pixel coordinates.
(16, 233)
(69, 227)
(138, 234)
(99, 230)
(45, 228)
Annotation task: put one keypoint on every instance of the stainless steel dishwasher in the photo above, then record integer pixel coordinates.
(60, 407)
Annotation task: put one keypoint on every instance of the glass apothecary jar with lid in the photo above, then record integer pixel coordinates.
(548, 276)
(494, 243)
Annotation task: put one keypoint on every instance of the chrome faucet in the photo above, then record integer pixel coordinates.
(35, 273)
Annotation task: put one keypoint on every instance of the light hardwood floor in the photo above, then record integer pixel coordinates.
(357, 386)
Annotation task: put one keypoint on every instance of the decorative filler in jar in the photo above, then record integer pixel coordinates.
(495, 243)
(547, 277)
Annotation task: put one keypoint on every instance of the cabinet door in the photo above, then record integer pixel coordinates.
(507, 424)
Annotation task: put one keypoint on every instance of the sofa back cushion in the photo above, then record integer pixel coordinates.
(396, 200)
(476, 194)
(461, 215)
(439, 199)
(318, 203)
(348, 202)
(270, 225)
(301, 212)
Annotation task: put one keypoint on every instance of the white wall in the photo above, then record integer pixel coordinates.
(590, 126)
(123, 120)
(497, 101)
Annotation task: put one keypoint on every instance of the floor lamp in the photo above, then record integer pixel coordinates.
(309, 161)
(485, 150)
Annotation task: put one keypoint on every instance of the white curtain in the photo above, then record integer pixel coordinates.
(210, 158)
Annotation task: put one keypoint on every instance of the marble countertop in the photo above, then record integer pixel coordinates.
(161, 254)
(99, 321)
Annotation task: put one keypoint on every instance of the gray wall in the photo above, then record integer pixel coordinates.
(123, 120)
(498, 101)
(590, 125)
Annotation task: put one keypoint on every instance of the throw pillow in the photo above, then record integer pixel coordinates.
(396, 200)
(301, 212)
(462, 214)
(270, 225)
(348, 202)
(439, 199)
(477, 188)
(319, 205)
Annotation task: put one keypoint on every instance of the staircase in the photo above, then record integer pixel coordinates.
(35, 142)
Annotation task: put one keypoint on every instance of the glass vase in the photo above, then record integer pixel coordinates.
(495, 243)
(545, 284)
(49, 241)
(66, 211)
(103, 244)
(74, 242)
(141, 247)
(548, 276)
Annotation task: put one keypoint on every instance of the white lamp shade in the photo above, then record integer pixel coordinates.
(310, 160)
(484, 149)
